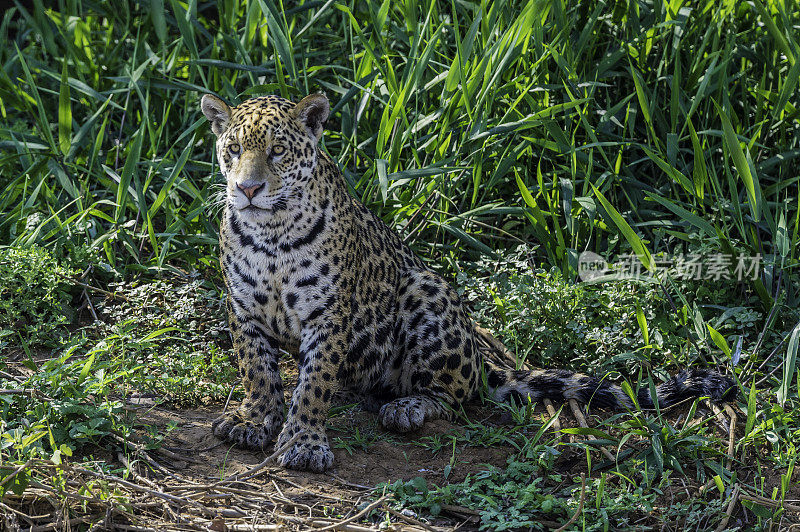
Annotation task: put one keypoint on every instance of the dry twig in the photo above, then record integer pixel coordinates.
(551, 410)
(729, 510)
(250, 473)
(355, 517)
(409, 519)
(578, 413)
(580, 505)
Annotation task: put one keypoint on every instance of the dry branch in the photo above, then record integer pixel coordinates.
(578, 413)
(580, 505)
(250, 473)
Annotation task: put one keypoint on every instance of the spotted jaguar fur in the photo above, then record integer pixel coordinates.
(309, 269)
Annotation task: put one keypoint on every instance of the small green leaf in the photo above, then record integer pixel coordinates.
(588, 431)
(87, 366)
(159, 332)
(757, 509)
(383, 177)
(699, 171)
(782, 235)
(526, 194)
(719, 340)
(720, 485)
(751, 410)
(17, 483)
(642, 320)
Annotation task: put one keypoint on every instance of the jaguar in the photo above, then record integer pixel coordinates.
(309, 270)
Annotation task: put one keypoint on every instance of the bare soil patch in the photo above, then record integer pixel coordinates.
(388, 458)
(186, 484)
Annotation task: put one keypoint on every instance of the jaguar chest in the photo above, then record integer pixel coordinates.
(283, 292)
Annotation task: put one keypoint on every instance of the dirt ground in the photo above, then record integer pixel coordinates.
(387, 457)
(195, 481)
(384, 460)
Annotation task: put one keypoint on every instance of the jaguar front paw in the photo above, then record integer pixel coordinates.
(234, 428)
(307, 456)
(310, 452)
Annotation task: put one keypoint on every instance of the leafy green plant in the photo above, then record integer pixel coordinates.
(360, 439)
(64, 404)
(35, 296)
(175, 331)
(521, 495)
(551, 322)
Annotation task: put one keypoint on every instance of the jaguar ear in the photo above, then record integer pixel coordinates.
(312, 111)
(217, 112)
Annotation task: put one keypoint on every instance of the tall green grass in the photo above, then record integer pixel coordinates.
(602, 126)
(684, 115)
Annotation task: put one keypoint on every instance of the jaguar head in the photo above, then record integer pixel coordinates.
(266, 148)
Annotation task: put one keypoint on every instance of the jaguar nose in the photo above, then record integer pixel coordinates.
(251, 190)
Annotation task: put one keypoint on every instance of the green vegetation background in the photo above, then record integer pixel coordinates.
(501, 138)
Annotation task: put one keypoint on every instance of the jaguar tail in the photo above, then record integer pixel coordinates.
(561, 385)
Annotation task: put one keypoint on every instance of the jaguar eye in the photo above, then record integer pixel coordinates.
(278, 150)
(234, 148)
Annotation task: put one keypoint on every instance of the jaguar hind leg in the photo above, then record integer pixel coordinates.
(437, 366)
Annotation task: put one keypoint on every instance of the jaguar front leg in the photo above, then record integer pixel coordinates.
(258, 419)
(321, 353)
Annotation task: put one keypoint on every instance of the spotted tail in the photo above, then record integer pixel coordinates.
(561, 385)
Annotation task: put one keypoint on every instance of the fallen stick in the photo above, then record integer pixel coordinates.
(763, 501)
(112, 295)
(360, 514)
(16, 472)
(731, 440)
(136, 487)
(59, 525)
(729, 510)
(722, 421)
(252, 472)
(551, 410)
(410, 520)
(498, 346)
(580, 506)
(578, 413)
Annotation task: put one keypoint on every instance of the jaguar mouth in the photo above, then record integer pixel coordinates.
(262, 205)
(275, 206)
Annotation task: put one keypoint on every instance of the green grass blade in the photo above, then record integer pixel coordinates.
(627, 232)
(128, 170)
(789, 364)
(743, 167)
(64, 113)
